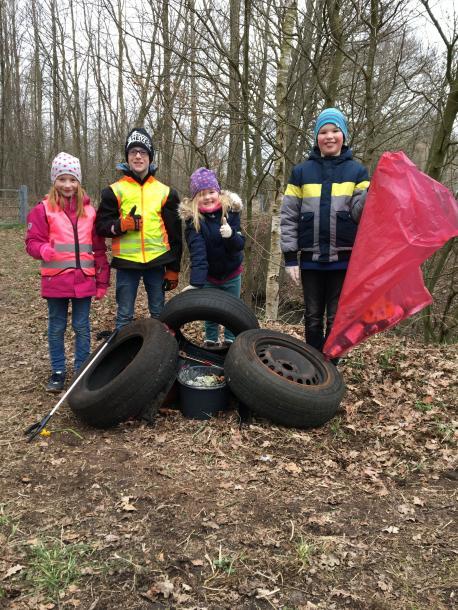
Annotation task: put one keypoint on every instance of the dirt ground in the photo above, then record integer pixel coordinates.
(360, 513)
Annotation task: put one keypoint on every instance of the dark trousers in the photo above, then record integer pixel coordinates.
(127, 281)
(321, 295)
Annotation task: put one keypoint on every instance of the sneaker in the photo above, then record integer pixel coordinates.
(228, 342)
(211, 344)
(103, 334)
(56, 382)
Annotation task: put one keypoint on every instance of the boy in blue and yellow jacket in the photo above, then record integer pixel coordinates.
(321, 209)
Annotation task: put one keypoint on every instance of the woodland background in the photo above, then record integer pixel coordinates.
(228, 514)
(235, 86)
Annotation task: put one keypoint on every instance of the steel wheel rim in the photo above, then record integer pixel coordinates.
(293, 365)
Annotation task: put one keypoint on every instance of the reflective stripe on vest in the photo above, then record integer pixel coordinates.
(69, 255)
(152, 241)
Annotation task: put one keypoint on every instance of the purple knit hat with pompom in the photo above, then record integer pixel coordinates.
(202, 179)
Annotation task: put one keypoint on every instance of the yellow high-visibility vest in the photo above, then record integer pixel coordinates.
(152, 241)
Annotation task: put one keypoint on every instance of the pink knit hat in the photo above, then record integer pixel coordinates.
(65, 164)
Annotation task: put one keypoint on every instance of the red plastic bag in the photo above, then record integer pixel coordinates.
(407, 217)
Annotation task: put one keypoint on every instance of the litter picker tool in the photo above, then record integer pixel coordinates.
(35, 429)
(185, 356)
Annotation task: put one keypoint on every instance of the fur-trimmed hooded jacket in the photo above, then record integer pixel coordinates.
(212, 257)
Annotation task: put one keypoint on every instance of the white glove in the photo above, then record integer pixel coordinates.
(225, 229)
(293, 273)
(189, 287)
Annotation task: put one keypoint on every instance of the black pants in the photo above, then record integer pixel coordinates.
(321, 295)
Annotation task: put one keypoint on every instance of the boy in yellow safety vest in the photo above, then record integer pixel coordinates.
(139, 213)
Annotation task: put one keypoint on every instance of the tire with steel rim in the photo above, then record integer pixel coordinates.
(283, 379)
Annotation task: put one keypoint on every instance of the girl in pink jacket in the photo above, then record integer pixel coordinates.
(74, 267)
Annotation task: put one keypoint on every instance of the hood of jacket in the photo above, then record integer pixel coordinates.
(124, 167)
(234, 201)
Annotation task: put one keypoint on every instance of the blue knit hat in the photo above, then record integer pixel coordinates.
(333, 116)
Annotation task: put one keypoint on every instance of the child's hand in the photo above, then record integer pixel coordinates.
(293, 273)
(100, 293)
(131, 222)
(225, 229)
(170, 280)
(47, 252)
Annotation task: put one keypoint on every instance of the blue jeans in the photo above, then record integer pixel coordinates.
(232, 286)
(127, 281)
(321, 295)
(57, 324)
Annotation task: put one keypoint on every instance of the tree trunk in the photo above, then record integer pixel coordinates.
(121, 123)
(74, 96)
(248, 293)
(3, 91)
(234, 169)
(281, 97)
(442, 132)
(335, 25)
(193, 133)
(56, 135)
(167, 97)
(370, 148)
(39, 164)
(436, 160)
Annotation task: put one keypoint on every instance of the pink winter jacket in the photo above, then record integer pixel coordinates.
(72, 283)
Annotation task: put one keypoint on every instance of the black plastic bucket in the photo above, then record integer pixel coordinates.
(199, 401)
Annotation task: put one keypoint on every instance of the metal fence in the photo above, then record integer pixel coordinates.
(14, 205)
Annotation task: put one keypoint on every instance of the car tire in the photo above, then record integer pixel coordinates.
(136, 366)
(283, 379)
(207, 304)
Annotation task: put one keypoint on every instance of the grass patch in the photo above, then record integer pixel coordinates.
(5, 224)
(357, 367)
(336, 428)
(446, 432)
(225, 563)
(424, 407)
(304, 552)
(54, 566)
(387, 360)
(356, 362)
(7, 522)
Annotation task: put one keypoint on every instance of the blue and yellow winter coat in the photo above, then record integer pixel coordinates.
(321, 208)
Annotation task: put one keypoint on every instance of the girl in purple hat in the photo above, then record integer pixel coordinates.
(74, 267)
(214, 240)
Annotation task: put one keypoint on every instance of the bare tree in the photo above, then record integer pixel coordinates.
(439, 327)
(234, 170)
(167, 124)
(287, 30)
(333, 9)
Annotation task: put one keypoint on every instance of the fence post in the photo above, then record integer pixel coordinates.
(23, 203)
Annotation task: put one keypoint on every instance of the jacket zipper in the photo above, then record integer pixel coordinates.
(142, 235)
(77, 244)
